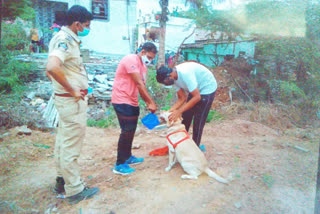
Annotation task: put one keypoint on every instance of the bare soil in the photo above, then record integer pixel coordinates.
(267, 174)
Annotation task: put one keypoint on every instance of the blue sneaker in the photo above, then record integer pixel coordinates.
(122, 169)
(202, 148)
(134, 160)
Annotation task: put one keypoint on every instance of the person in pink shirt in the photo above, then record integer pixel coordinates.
(129, 82)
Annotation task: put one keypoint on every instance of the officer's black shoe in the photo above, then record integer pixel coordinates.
(85, 194)
(59, 188)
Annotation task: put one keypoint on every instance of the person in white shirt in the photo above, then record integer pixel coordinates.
(195, 86)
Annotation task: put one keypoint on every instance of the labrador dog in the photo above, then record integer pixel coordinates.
(184, 150)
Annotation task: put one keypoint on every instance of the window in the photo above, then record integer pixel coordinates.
(100, 9)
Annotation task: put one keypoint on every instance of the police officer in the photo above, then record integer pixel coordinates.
(69, 80)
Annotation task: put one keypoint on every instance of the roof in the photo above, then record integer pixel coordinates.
(202, 43)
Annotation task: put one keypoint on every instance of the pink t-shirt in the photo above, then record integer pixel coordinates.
(124, 90)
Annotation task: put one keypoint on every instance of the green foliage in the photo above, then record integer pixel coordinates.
(312, 21)
(14, 8)
(14, 37)
(109, 121)
(215, 115)
(268, 179)
(286, 92)
(13, 72)
(287, 65)
(164, 97)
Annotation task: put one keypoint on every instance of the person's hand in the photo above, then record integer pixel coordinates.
(152, 107)
(176, 114)
(77, 94)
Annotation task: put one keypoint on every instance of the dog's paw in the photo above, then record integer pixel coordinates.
(168, 168)
(189, 177)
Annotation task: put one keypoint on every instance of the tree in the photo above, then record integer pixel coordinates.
(11, 9)
(15, 8)
(1, 5)
(163, 20)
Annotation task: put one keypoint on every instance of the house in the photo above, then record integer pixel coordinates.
(177, 29)
(113, 29)
(211, 50)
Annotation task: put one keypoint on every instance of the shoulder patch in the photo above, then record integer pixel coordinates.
(69, 38)
(63, 46)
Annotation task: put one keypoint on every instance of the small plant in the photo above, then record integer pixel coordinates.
(267, 179)
(214, 115)
(109, 121)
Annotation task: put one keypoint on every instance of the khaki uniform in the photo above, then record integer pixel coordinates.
(72, 115)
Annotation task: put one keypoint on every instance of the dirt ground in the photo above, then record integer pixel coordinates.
(267, 173)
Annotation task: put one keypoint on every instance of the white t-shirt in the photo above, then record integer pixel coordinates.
(192, 75)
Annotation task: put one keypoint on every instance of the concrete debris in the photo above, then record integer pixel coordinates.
(23, 130)
(136, 146)
(237, 205)
(101, 70)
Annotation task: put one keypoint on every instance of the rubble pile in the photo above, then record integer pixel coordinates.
(101, 70)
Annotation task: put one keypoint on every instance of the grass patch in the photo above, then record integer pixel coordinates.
(215, 116)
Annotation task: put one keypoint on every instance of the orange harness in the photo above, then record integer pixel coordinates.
(175, 145)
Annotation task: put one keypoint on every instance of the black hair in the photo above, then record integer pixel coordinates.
(149, 47)
(162, 73)
(78, 13)
(60, 18)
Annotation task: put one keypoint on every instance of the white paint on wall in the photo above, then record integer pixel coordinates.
(115, 35)
(177, 29)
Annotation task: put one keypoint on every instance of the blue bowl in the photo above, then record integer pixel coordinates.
(150, 121)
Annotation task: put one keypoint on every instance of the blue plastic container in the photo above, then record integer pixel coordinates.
(150, 121)
(90, 90)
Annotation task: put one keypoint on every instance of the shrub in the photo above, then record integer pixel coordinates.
(13, 72)
(14, 37)
(164, 97)
(215, 115)
(109, 121)
(285, 91)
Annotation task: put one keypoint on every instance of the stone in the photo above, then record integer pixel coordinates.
(23, 130)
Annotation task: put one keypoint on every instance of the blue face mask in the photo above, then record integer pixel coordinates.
(85, 32)
(55, 29)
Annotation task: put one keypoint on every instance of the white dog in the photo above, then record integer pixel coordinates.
(184, 150)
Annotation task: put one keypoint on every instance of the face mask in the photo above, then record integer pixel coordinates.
(55, 29)
(145, 60)
(85, 32)
(168, 81)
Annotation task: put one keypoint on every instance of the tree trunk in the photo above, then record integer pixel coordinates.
(317, 202)
(163, 20)
(1, 2)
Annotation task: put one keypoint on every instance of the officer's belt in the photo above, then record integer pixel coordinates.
(85, 91)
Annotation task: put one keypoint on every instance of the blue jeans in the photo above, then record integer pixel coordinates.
(198, 113)
(128, 119)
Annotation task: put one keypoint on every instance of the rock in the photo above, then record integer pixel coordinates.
(23, 130)
(136, 146)
(4, 154)
(31, 95)
(37, 101)
(237, 205)
(101, 78)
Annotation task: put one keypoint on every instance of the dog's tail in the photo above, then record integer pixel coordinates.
(215, 176)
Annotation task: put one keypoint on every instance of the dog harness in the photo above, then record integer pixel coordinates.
(175, 145)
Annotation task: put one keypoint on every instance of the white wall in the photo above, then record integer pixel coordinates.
(106, 36)
(177, 29)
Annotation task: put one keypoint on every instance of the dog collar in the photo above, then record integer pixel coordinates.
(175, 145)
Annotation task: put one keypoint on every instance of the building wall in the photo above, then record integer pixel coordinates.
(177, 29)
(207, 52)
(115, 35)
